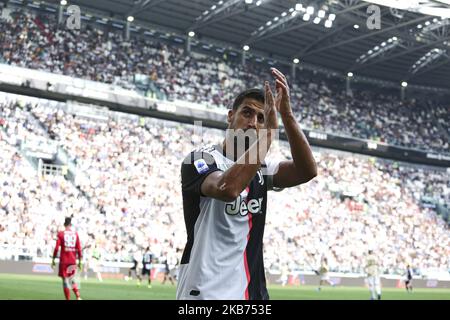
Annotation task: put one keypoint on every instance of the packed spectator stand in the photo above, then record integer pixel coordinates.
(123, 200)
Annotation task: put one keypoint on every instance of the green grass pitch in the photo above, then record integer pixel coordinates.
(39, 287)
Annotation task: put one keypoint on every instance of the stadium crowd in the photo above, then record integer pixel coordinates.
(127, 195)
(100, 54)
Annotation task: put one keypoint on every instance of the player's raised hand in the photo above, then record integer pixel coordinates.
(283, 100)
(270, 110)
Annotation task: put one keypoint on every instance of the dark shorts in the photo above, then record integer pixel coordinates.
(146, 271)
(134, 267)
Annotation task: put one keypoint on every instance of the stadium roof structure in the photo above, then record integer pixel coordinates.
(411, 44)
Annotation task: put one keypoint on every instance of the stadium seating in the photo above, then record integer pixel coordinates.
(34, 41)
(123, 199)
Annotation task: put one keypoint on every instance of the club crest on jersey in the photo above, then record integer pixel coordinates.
(201, 166)
(260, 178)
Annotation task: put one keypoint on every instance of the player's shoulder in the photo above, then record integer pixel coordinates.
(204, 149)
(201, 151)
(201, 154)
(69, 231)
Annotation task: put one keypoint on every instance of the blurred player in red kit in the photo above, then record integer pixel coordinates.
(70, 245)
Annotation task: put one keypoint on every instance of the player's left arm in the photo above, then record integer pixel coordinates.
(55, 252)
(303, 167)
(79, 252)
(366, 268)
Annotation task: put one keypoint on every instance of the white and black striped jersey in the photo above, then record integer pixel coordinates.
(223, 257)
(147, 260)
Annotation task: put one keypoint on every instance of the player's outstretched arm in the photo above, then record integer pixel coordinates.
(303, 167)
(55, 251)
(227, 186)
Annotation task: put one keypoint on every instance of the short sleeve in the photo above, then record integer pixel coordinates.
(194, 170)
(269, 169)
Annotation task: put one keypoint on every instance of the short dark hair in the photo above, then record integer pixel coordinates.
(253, 93)
(67, 221)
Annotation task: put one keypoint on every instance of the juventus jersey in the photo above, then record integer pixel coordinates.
(223, 257)
(147, 260)
(372, 265)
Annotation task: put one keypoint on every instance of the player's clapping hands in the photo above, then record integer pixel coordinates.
(282, 100)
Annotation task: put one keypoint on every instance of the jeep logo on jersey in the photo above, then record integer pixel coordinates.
(242, 207)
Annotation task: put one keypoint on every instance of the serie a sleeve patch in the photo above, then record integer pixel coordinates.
(201, 166)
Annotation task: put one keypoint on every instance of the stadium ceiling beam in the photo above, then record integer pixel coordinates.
(350, 21)
(408, 42)
(381, 55)
(285, 26)
(142, 5)
(324, 38)
(438, 32)
(412, 49)
(228, 9)
(367, 35)
(430, 68)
